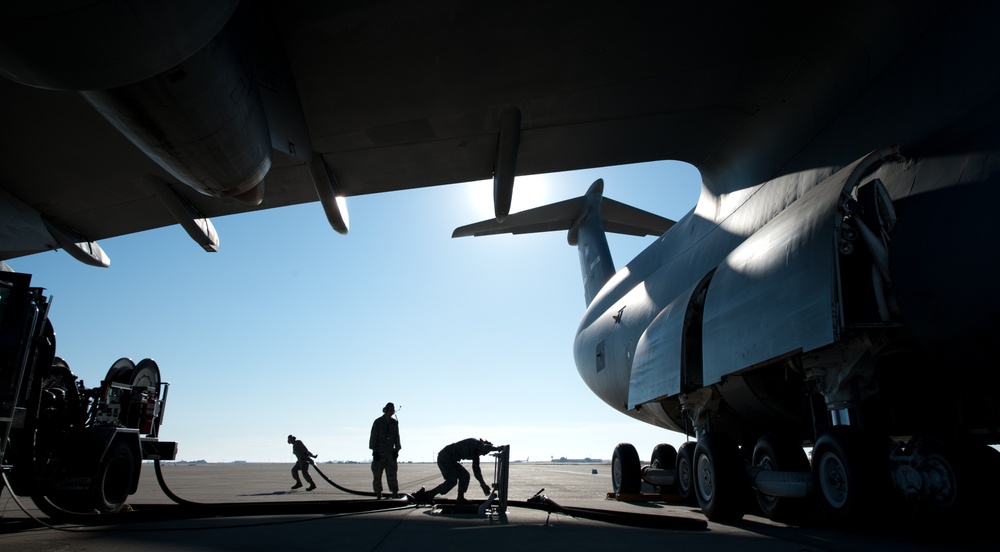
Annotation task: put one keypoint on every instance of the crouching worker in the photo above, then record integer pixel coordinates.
(449, 462)
(302, 456)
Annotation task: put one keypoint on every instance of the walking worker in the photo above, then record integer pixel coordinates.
(384, 442)
(302, 457)
(449, 462)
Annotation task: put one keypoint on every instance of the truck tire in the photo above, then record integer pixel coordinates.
(114, 478)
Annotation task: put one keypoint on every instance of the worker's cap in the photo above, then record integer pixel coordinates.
(486, 445)
(291, 437)
(388, 406)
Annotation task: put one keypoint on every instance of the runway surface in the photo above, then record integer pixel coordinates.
(407, 527)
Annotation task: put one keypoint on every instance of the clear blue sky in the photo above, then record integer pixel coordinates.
(293, 328)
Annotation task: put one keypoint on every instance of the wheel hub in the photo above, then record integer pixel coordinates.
(833, 480)
(706, 488)
(683, 473)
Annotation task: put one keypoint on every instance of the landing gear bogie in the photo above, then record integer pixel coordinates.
(854, 478)
(947, 479)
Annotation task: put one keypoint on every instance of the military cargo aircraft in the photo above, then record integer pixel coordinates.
(833, 288)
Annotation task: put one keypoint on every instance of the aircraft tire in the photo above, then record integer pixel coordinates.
(684, 480)
(719, 477)
(664, 458)
(777, 453)
(979, 482)
(626, 475)
(849, 474)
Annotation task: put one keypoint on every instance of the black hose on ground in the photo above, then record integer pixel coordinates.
(338, 487)
(538, 502)
(166, 490)
(192, 509)
(631, 519)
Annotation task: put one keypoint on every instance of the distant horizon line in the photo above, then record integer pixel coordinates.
(553, 461)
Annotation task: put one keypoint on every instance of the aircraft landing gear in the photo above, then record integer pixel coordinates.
(685, 472)
(849, 473)
(977, 470)
(625, 470)
(719, 477)
(627, 476)
(664, 458)
(855, 477)
(773, 453)
(957, 480)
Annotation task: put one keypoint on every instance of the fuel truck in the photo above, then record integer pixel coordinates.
(70, 448)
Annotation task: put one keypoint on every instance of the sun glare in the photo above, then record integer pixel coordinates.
(529, 192)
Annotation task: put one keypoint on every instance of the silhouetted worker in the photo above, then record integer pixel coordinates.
(449, 462)
(384, 442)
(302, 456)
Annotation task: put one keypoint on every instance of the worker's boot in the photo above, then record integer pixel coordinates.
(312, 485)
(297, 485)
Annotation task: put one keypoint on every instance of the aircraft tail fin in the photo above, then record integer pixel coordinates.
(586, 218)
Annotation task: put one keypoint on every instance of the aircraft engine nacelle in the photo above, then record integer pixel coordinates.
(98, 44)
(203, 121)
(175, 79)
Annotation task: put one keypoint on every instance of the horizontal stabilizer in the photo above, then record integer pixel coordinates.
(548, 218)
(616, 216)
(586, 219)
(625, 219)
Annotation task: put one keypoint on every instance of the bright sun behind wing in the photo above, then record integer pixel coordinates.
(529, 192)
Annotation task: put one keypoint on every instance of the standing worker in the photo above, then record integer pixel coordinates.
(384, 442)
(302, 456)
(449, 462)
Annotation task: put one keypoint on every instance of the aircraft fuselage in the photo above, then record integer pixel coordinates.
(751, 293)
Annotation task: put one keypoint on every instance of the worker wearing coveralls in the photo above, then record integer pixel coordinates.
(384, 442)
(302, 456)
(449, 462)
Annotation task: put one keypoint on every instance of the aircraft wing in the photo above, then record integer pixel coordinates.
(370, 97)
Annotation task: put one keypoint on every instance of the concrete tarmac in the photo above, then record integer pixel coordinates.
(424, 528)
